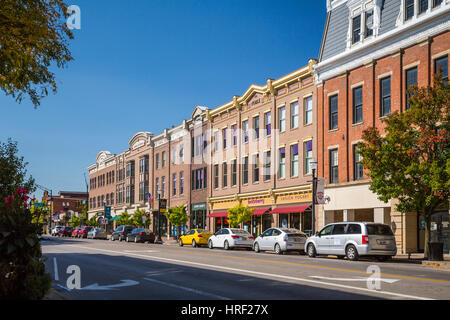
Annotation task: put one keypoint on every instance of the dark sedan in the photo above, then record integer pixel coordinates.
(66, 232)
(141, 235)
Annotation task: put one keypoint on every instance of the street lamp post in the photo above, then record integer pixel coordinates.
(314, 187)
(158, 239)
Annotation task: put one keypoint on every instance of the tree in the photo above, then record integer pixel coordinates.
(238, 215)
(178, 217)
(12, 170)
(124, 219)
(75, 221)
(137, 217)
(33, 36)
(411, 161)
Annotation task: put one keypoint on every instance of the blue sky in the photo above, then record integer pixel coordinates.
(144, 65)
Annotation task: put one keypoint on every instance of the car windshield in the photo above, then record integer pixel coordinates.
(239, 231)
(379, 230)
(200, 230)
(291, 231)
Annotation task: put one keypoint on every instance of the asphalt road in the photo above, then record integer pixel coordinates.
(119, 270)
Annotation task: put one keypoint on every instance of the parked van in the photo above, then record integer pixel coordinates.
(352, 240)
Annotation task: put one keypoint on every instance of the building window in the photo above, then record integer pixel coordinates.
(294, 115)
(245, 171)
(357, 165)
(216, 141)
(256, 127)
(423, 6)
(441, 65)
(436, 3)
(308, 110)
(157, 161)
(410, 81)
(112, 198)
(163, 187)
(282, 119)
(224, 175)
(385, 103)
(267, 164)
(333, 107)
(255, 168)
(282, 164)
(198, 179)
(216, 176)
(245, 128)
(158, 189)
(356, 29)
(182, 182)
(174, 184)
(369, 23)
(233, 173)
(235, 136)
(294, 160)
(141, 191)
(181, 153)
(174, 155)
(308, 156)
(409, 9)
(334, 173)
(357, 105)
(268, 123)
(163, 159)
(224, 138)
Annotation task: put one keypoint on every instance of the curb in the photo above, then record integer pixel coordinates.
(442, 265)
(55, 295)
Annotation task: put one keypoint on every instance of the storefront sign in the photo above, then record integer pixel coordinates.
(320, 191)
(224, 205)
(292, 198)
(198, 206)
(257, 202)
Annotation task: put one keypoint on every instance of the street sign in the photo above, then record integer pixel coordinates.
(108, 212)
(163, 205)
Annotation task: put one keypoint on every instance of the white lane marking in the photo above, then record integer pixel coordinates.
(125, 283)
(264, 274)
(132, 251)
(168, 284)
(354, 279)
(55, 266)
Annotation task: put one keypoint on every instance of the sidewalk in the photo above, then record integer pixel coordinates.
(419, 259)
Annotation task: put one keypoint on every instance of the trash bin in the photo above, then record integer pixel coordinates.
(435, 251)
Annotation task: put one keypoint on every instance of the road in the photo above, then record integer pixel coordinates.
(119, 270)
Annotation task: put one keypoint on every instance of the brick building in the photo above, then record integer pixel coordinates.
(262, 146)
(65, 203)
(371, 52)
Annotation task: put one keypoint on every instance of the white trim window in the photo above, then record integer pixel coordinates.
(363, 21)
(410, 10)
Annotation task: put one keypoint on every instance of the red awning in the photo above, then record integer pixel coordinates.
(218, 214)
(293, 209)
(260, 211)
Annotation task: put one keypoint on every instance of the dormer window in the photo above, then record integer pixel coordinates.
(356, 30)
(409, 9)
(369, 23)
(436, 3)
(423, 6)
(412, 9)
(364, 21)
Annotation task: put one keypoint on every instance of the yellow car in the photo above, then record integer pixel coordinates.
(195, 237)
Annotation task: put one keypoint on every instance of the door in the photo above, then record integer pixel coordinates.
(187, 239)
(323, 241)
(338, 239)
(223, 237)
(264, 242)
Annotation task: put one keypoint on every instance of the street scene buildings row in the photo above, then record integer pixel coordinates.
(258, 149)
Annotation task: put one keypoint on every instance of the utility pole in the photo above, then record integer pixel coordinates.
(49, 222)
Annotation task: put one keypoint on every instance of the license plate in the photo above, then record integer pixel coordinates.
(382, 242)
(244, 238)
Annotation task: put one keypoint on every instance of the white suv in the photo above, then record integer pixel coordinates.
(353, 239)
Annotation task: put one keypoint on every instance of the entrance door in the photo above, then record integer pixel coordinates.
(266, 222)
(295, 221)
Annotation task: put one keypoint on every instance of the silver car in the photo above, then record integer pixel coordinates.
(280, 240)
(96, 233)
(352, 240)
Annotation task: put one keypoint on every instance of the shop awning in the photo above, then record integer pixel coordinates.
(260, 211)
(114, 218)
(293, 209)
(218, 214)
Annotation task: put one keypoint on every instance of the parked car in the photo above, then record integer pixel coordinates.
(66, 231)
(280, 240)
(121, 233)
(195, 237)
(84, 232)
(352, 240)
(96, 233)
(141, 235)
(55, 230)
(75, 232)
(229, 238)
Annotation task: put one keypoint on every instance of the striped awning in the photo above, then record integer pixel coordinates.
(293, 209)
(219, 214)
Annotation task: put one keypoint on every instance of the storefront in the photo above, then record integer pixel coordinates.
(296, 217)
(220, 220)
(163, 223)
(198, 216)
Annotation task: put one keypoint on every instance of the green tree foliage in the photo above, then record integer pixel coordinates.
(22, 269)
(12, 170)
(177, 216)
(137, 218)
(238, 215)
(33, 36)
(75, 221)
(411, 161)
(124, 220)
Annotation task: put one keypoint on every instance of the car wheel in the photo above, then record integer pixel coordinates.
(311, 250)
(256, 247)
(120, 239)
(194, 244)
(278, 249)
(351, 253)
(226, 245)
(180, 243)
(210, 244)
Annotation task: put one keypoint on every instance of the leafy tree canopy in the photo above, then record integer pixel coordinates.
(239, 214)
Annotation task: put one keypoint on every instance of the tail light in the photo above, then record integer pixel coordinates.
(200, 236)
(235, 237)
(251, 237)
(285, 238)
(365, 239)
(140, 233)
(123, 232)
